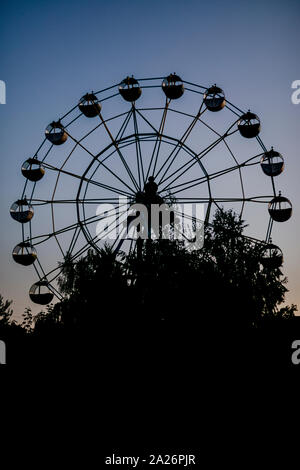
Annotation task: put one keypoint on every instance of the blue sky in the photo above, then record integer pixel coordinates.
(53, 52)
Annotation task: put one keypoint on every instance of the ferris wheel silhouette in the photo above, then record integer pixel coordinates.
(156, 152)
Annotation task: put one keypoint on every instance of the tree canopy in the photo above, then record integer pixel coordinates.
(221, 285)
(224, 283)
(162, 301)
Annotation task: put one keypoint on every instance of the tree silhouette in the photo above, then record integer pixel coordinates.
(161, 299)
(5, 311)
(224, 283)
(251, 293)
(9, 329)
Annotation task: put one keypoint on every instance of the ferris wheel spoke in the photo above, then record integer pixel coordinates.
(196, 158)
(138, 110)
(121, 219)
(203, 179)
(101, 124)
(40, 146)
(190, 163)
(139, 159)
(119, 241)
(97, 217)
(254, 199)
(266, 199)
(56, 272)
(179, 144)
(72, 121)
(91, 181)
(142, 136)
(111, 188)
(158, 139)
(45, 237)
(39, 270)
(210, 128)
(226, 134)
(104, 231)
(47, 153)
(90, 242)
(54, 230)
(216, 204)
(78, 142)
(52, 212)
(76, 226)
(119, 136)
(55, 188)
(120, 192)
(41, 267)
(114, 142)
(261, 144)
(74, 256)
(124, 124)
(113, 224)
(95, 157)
(41, 202)
(74, 239)
(240, 176)
(269, 230)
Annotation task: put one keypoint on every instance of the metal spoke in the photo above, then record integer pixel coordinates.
(158, 139)
(189, 164)
(180, 142)
(119, 152)
(203, 179)
(41, 202)
(67, 228)
(105, 166)
(90, 181)
(119, 136)
(139, 158)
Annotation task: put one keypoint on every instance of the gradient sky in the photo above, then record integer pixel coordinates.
(53, 52)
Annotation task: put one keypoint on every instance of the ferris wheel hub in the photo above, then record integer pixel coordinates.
(149, 195)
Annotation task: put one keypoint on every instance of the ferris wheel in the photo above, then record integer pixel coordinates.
(150, 140)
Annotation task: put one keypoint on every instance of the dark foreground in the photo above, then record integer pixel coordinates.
(161, 344)
(160, 388)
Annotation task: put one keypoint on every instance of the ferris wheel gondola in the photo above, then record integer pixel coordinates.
(89, 105)
(172, 86)
(272, 163)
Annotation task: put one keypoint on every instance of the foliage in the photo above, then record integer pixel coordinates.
(222, 284)
(5, 311)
